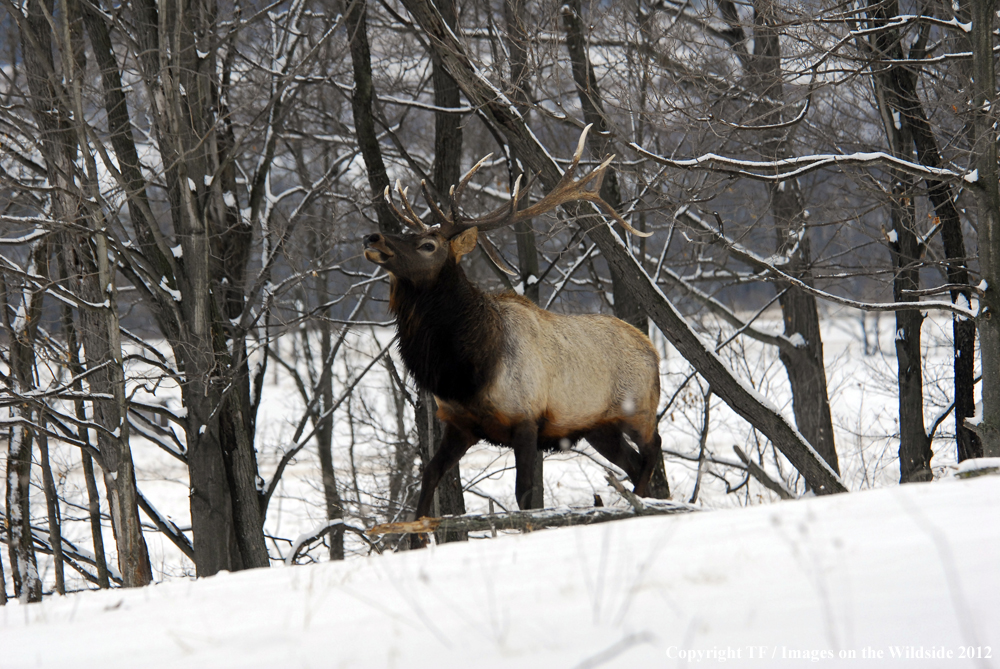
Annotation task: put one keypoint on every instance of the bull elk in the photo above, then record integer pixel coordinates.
(501, 368)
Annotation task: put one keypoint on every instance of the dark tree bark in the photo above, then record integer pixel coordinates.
(914, 444)
(447, 171)
(102, 345)
(903, 83)
(324, 429)
(519, 87)
(3, 586)
(626, 305)
(362, 101)
(447, 168)
(21, 337)
(93, 497)
(61, 135)
(893, 85)
(984, 116)
(195, 139)
(52, 509)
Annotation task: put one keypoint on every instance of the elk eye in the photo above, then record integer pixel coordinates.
(426, 247)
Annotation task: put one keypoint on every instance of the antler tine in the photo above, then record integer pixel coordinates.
(569, 188)
(501, 216)
(454, 224)
(456, 191)
(419, 226)
(442, 219)
(415, 222)
(571, 170)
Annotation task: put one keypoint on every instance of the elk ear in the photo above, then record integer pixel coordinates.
(464, 243)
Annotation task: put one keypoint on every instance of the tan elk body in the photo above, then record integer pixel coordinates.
(567, 374)
(506, 371)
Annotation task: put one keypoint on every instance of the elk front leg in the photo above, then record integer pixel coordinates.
(454, 444)
(524, 441)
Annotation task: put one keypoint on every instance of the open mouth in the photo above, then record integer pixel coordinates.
(377, 256)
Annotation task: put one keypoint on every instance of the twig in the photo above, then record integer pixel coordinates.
(630, 497)
(758, 473)
(310, 537)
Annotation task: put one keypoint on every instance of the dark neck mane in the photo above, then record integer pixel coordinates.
(450, 334)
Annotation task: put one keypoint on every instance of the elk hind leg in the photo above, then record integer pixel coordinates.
(609, 441)
(652, 479)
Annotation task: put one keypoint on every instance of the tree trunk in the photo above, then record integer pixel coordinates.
(904, 245)
(988, 202)
(76, 368)
(517, 38)
(804, 364)
(20, 335)
(914, 444)
(362, 101)
(324, 430)
(3, 586)
(898, 90)
(102, 346)
(627, 307)
(52, 509)
(20, 547)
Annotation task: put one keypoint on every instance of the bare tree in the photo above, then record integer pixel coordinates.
(983, 98)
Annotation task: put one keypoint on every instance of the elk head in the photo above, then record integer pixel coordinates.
(419, 255)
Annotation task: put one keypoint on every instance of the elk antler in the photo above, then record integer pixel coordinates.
(410, 218)
(568, 189)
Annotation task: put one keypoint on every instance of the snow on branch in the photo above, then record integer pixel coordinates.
(31, 236)
(302, 542)
(763, 477)
(790, 168)
(167, 526)
(765, 267)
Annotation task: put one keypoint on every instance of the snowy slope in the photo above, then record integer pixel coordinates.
(876, 571)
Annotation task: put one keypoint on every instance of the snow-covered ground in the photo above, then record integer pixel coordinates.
(876, 578)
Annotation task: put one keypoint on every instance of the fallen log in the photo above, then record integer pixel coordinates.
(527, 521)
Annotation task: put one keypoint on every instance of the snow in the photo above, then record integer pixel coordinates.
(175, 294)
(972, 177)
(906, 571)
(978, 466)
(891, 236)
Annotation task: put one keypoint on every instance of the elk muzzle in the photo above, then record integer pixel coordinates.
(376, 249)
